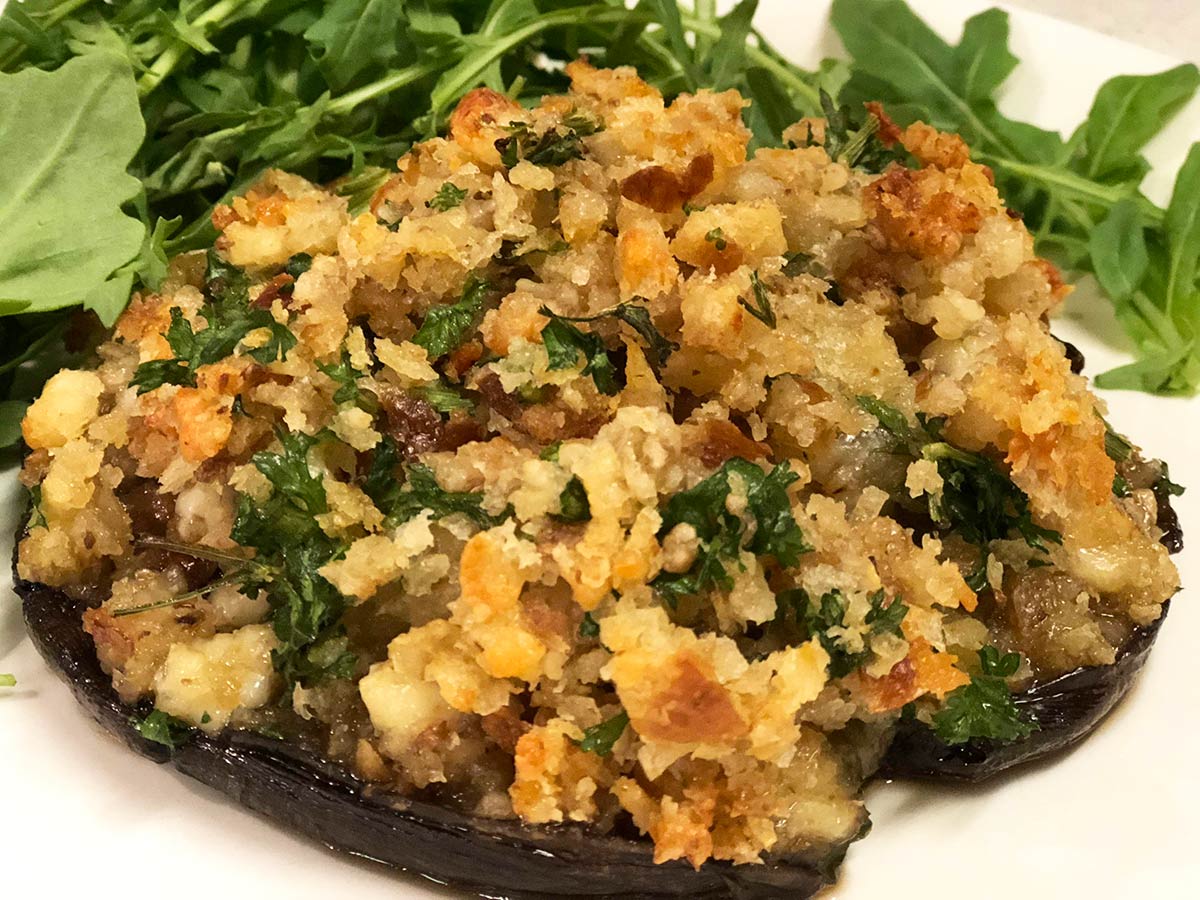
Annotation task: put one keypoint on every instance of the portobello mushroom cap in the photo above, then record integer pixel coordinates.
(308, 795)
(1067, 708)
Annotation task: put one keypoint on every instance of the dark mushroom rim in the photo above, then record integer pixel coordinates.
(320, 800)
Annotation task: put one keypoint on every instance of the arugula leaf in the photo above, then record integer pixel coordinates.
(599, 739)
(65, 164)
(447, 197)
(161, 728)
(446, 327)
(12, 412)
(573, 505)
(1128, 111)
(1081, 198)
(1118, 250)
(352, 36)
(984, 708)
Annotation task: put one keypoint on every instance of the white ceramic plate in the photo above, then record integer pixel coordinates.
(1115, 818)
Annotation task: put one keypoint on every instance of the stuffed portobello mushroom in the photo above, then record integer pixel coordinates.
(603, 507)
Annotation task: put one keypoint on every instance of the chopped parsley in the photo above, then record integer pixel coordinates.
(445, 397)
(37, 519)
(1115, 445)
(774, 531)
(565, 343)
(599, 739)
(550, 452)
(297, 265)
(819, 619)
(1164, 484)
(401, 500)
(984, 708)
(230, 318)
(637, 317)
(573, 503)
(446, 327)
(1120, 486)
(588, 628)
(716, 237)
(761, 308)
(290, 549)
(161, 728)
(553, 147)
(346, 377)
(448, 196)
(977, 500)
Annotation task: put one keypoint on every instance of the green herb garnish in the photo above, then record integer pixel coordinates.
(401, 499)
(346, 377)
(761, 308)
(230, 318)
(164, 729)
(637, 317)
(589, 627)
(599, 739)
(447, 197)
(553, 147)
(446, 327)
(445, 397)
(978, 501)
(291, 549)
(852, 143)
(818, 619)
(984, 708)
(716, 237)
(573, 503)
(564, 345)
(722, 534)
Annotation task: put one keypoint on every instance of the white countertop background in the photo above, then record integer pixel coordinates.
(1168, 26)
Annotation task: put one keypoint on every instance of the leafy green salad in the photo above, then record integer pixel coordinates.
(125, 122)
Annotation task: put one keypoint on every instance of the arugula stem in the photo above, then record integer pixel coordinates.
(764, 58)
(53, 333)
(347, 102)
(443, 93)
(704, 10)
(173, 55)
(59, 13)
(1077, 185)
